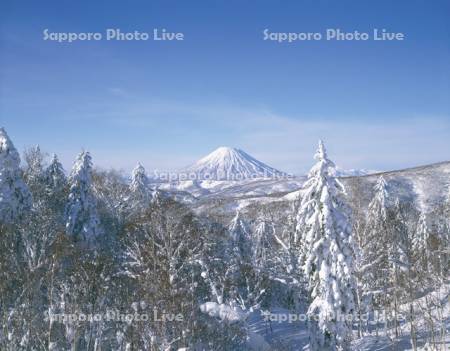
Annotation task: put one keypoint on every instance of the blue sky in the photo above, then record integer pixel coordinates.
(377, 105)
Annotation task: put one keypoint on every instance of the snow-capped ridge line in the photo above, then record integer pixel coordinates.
(402, 170)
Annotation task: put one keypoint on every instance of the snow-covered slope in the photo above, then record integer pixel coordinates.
(282, 334)
(225, 189)
(353, 172)
(425, 186)
(227, 163)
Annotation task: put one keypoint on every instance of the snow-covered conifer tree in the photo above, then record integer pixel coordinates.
(420, 243)
(15, 197)
(373, 262)
(262, 243)
(240, 235)
(141, 194)
(399, 239)
(81, 213)
(328, 256)
(55, 183)
(34, 170)
(398, 257)
(55, 176)
(246, 287)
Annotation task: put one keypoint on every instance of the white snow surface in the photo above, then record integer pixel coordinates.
(223, 312)
(281, 334)
(339, 172)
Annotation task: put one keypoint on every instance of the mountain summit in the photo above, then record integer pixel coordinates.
(226, 163)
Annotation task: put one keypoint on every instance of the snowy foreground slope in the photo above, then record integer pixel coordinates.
(280, 334)
(383, 343)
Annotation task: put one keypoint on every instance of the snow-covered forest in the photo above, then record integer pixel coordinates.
(95, 260)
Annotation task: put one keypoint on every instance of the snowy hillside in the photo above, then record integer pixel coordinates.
(208, 189)
(227, 163)
(353, 172)
(425, 185)
(233, 179)
(284, 335)
(232, 173)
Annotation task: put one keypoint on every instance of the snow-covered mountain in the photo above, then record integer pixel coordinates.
(226, 163)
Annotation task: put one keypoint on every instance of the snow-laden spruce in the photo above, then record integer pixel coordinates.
(239, 252)
(240, 235)
(15, 197)
(82, 220)
(328, 256)
(400, 243)
(420, 241)
(55, 177)
(34, 170)
(246, 283)
(262, 242)
(373, 263)
(141, 193)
